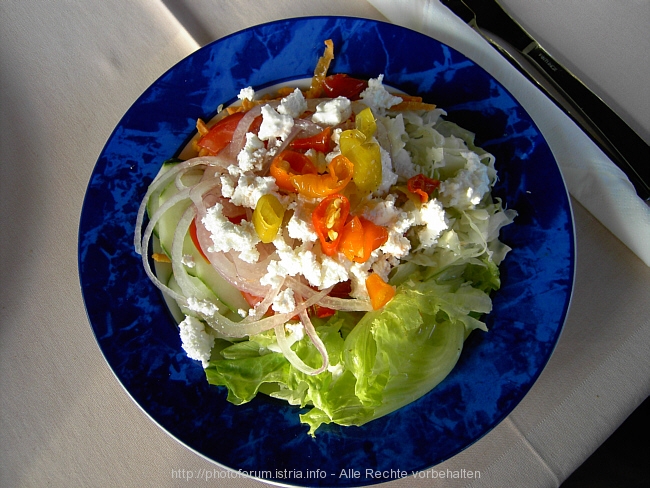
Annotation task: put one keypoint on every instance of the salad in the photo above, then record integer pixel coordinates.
(332, 247)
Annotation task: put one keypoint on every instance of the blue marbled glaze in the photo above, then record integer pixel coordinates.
(139, 338)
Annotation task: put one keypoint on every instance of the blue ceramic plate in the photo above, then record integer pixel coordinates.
(265, 438)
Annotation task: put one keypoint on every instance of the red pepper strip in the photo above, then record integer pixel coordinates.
(329, 219)
(422, 186)
(288, 164)
(360, 238)
(339, 174)
(344, 86)
(220, 135)
(379, 291)
(321, 142)
(195, 239)
(340, 290)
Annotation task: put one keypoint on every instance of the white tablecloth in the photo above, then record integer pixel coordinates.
(68, 72)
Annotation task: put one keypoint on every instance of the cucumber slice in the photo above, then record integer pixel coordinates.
(154, 203)
(226, 297)
(204, 271)
(167, 224)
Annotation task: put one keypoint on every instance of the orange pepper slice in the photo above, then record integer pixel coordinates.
(320, 72)
(289, 164)
(422, 186)
(339, 174)
(360, 238)
(379, 291)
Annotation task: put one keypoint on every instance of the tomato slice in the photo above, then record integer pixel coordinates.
(321, 142)
(220, 135)
(342, 85)
(195, 239)
(340, 290)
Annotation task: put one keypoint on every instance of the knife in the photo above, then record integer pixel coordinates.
(614, 137)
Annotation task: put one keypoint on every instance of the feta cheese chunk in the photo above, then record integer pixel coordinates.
(202, 307)
(227, 236)
(251, 156)
(293, 104)
(432, 216)
(320, 271)
(284, 302)
(274, 125)
(377, 97)
(332, 112)
(196, 341)
(246, 93)
(250, 189)
(395, 220)
(300, 225)
(467, 188)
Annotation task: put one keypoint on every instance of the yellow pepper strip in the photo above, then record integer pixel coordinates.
(365, 156)
(323, 65)
(267, 217)
(366, 123)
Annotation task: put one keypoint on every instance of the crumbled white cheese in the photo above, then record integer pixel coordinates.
(467, 188)
(358, 273)
(332, 112)
(274, 125)
(289, 262)
(246, 93)
(377, 97)
(227, 236)
(332, 272)
(251, 156)
(196, 341)
(383, 212)
(432, 216)
(300, 225)
(250, 189)
(201, 307)
(293, 104)
(227, 186)
(284, 302)
(320, 271)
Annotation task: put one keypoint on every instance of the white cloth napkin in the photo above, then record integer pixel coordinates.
(591, 178)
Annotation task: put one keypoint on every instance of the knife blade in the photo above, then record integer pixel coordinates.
(614, 137)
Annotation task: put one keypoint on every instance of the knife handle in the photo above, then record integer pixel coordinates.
(630, 152)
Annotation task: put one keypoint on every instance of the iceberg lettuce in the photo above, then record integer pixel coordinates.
(378, 363)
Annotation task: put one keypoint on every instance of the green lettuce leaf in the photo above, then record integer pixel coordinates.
(387, 359)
